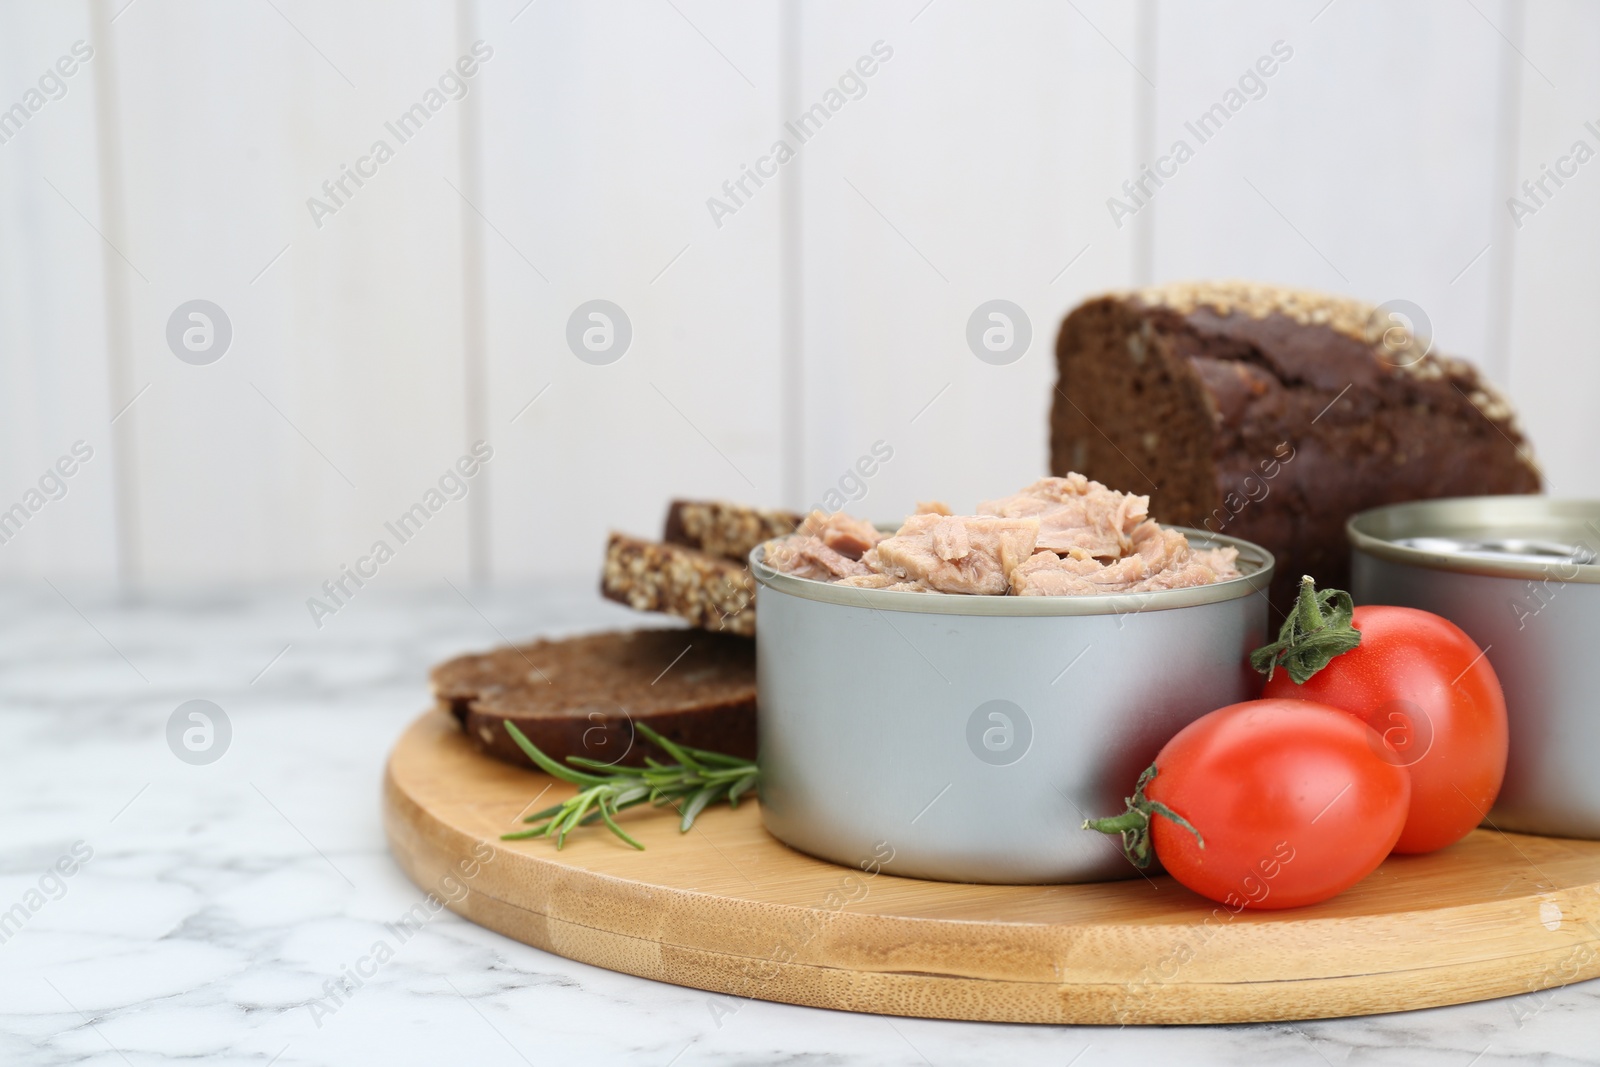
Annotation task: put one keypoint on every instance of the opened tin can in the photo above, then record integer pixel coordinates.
(967, 738)
(1519, 575)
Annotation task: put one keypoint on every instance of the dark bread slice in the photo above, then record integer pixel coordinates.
(727, 530)
(577, 696)
(1273, 415)
(707, 591)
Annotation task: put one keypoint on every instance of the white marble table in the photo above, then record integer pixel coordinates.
(220, 898)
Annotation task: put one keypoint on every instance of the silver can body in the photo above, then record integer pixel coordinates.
(1538, 618)
(967, 738)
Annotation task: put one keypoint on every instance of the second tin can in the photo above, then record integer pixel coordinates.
(1519, 575)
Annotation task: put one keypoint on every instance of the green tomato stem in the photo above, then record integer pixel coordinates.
(1319, 628)
(1133, 825)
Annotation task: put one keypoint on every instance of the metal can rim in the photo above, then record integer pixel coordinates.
(1375, 531)
(1255, 565)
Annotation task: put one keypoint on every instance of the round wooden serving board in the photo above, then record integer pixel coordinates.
(728, 908)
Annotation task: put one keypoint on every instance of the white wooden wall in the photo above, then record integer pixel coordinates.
(826, 314)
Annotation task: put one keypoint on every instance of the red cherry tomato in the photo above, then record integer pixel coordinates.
(1421, 683)
(1292, 801)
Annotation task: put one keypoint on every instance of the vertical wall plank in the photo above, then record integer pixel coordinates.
(1555, 377)
(974, 168)
(605, 130)
(54, 384)
(1365, 168)
(791, 267)
(339, 401)
(474, 313)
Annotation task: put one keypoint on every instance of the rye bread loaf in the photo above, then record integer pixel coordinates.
(704, 590)
(578, 696)
(723, 529)
(1273, 415)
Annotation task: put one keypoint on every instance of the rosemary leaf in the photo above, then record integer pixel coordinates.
(545, 814)
(698, 779)
(696, 805)
(740, 788)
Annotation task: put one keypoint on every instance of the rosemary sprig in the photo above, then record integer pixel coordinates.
(699, 777)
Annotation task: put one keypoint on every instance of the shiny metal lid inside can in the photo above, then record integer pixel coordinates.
(1500, 536)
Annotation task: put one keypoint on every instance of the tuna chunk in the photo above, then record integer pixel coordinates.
(809, 557)
(1076, 516)
(1223, 561)
(949, 539)
(884, 581)
(845, 534)
(1161, 559)
(957, 554)
(933, 507)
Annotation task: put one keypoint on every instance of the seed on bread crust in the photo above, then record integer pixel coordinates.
(705, 590)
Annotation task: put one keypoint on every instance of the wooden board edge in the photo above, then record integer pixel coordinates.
(943, 996)
(729, 979)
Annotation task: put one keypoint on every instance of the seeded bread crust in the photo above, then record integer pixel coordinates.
(1393, 347)
(707, 591)
(579, 696)
(1273, 414)
(727, 530)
